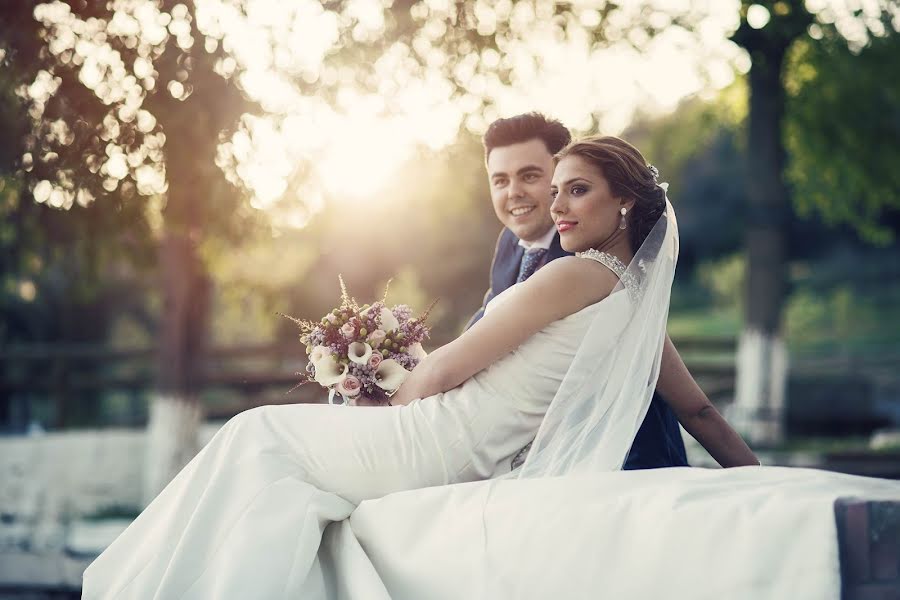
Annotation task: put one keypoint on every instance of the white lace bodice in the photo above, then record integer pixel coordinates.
(611, 262)
(614, 264)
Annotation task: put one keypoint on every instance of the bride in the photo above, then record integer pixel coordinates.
(568, 359)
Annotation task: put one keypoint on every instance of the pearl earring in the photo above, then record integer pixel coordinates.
(622, 224)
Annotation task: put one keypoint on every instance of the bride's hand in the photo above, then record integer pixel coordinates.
(402, 396)
(416, 385)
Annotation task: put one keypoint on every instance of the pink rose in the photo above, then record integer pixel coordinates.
(349, 387)
(376, 337)
(330, 318)
(375, 360)
(348, 330)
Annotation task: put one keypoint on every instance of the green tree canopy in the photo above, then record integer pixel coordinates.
(843, 123)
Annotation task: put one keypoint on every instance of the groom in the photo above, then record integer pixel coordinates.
(519, 158)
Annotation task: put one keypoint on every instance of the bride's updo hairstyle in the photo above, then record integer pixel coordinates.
(629, 175)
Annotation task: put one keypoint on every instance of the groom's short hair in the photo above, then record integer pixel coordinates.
(524, 128)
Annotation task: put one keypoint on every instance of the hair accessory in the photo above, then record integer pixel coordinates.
(654, 172)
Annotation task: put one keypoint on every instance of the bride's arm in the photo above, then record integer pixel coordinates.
(697, 414)
(559, 289)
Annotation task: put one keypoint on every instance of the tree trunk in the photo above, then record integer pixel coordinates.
(195, 198)
(762, 360)
(175, 411)
(171, 440)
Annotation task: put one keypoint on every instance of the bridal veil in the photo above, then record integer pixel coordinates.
(594, 417)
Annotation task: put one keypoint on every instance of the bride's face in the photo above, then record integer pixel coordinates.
(584, 209)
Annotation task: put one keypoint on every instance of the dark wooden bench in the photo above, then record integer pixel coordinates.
(869, 542)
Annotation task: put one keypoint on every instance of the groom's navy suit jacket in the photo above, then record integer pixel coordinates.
(658, 442)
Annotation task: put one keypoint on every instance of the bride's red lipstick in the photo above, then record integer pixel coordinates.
(562, 226)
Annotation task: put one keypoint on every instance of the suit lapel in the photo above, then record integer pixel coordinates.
(513, 263)
(509, 257)
(506, 263)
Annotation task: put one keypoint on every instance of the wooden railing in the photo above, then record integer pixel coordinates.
(36, 367)
(65, 377)
(55, 384)
(89, 367)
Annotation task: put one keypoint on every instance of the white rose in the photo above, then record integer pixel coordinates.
(376, 337)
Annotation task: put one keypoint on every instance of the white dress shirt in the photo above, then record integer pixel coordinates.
(542, 242)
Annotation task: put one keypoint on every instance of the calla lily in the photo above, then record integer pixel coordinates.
(359, 352)
(317, 353)
(328, 371)
(417, 351)
(390, 374)
(388, 321)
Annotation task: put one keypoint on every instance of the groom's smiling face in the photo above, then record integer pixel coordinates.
(519, 177)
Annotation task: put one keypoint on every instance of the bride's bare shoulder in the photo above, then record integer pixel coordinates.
(583, 281)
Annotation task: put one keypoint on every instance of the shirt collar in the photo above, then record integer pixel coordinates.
(543, 242)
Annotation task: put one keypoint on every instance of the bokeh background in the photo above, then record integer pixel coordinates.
(174, 175)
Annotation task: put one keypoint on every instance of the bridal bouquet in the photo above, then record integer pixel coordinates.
(362, 352)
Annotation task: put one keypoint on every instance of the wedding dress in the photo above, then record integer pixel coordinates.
(245, 518)
(419, 502)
